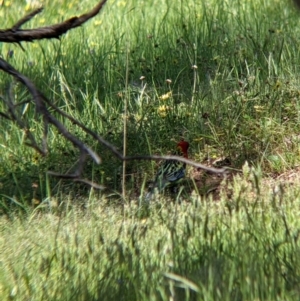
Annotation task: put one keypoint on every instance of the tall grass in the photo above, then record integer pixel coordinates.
(245, 248)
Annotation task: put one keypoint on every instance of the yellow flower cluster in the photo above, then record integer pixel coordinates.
(163, 110)
(166, 96)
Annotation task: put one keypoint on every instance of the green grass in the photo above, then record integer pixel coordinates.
(242, 102)
(245, 248)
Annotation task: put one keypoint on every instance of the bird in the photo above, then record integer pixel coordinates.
(170, 172)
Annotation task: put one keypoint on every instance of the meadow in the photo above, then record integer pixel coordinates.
(221, 74)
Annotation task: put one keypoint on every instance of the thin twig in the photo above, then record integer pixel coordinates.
(45, 135)
(39, 100)
(125, 126)
(26, 19)
(5, 116)
(11, 108)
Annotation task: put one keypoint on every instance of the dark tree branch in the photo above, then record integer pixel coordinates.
(45, 135)
(17, 35)
(297, 2)
(5, 116)
(26, 18)
(39, 100)
(11, 109)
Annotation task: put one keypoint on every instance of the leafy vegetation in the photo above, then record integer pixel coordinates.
(221, 74)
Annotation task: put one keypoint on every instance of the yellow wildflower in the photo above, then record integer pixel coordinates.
(166, 96)
(163, 110)
(98, 22)
(259, 108)
(197, 139)
(121, 3)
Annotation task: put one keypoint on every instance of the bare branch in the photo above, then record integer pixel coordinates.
(26, 18)
(180, 159)
(45, 135)
(16, 35)
(11, 108)
(67, 176)
(90, 183)
(5, 116)
(297, 2)
(39, 99)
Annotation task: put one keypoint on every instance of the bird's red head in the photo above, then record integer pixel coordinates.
(183, 146)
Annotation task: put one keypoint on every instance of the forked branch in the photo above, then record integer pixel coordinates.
(17, 35)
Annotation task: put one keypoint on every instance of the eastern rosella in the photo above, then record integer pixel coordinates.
(170, 171)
